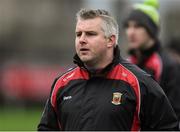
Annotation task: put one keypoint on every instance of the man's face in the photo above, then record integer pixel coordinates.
(90, 42)
(137, 35)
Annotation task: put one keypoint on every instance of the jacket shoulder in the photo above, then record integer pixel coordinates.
(138, 72)
(60, 82)
(66, 73)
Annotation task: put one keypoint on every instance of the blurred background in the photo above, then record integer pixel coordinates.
(37, 45)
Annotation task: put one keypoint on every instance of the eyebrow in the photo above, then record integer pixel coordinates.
(90, 31)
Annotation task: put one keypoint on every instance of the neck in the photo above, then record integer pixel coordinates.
(101, 63)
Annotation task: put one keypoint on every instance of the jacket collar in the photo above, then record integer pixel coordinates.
(115, 61)
(145, 54)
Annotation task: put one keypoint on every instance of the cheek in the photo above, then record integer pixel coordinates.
(142, 37)
(76, 41)
(138, 36)
(76, 45)
(101, 47)
(128, 33)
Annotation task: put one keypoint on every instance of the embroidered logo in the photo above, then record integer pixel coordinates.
(67, 97)
(116, 100)
(124, 74)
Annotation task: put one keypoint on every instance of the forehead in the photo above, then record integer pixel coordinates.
(132, 22)
(89, 24)
(136, 25)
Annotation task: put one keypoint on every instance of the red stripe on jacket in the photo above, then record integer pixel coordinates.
(74, 74)
(154, 62)
(121, 73)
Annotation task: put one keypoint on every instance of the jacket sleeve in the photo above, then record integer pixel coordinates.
(49, 119)
(156, 111)
(171, 85)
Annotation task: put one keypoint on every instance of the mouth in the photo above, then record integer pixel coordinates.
(84, 49)
(132, 39)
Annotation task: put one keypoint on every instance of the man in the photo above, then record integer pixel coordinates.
(104, 92)
(173, 48)
(141, 28)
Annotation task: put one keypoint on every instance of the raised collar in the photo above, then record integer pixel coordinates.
(115, 61)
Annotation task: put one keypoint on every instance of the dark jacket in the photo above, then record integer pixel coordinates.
(164, 69)
(120, 97)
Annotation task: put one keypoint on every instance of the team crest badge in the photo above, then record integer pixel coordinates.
(116, 100)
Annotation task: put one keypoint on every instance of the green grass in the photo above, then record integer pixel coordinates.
(16, 119)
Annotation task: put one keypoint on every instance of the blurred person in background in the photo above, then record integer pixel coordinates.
(173, 48)
(104, 91)
(141, 28)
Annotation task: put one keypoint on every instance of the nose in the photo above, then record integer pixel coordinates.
(82, 39)
(130, 31)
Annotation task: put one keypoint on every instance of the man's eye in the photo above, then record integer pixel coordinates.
(138, 25)
(78, 34)
(91, 33)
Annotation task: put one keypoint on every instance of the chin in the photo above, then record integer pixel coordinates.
(134, 46)
(85, 59)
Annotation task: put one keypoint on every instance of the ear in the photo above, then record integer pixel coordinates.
(111, 41)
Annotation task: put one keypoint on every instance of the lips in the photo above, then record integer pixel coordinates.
(132, 39)
(84, 49)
